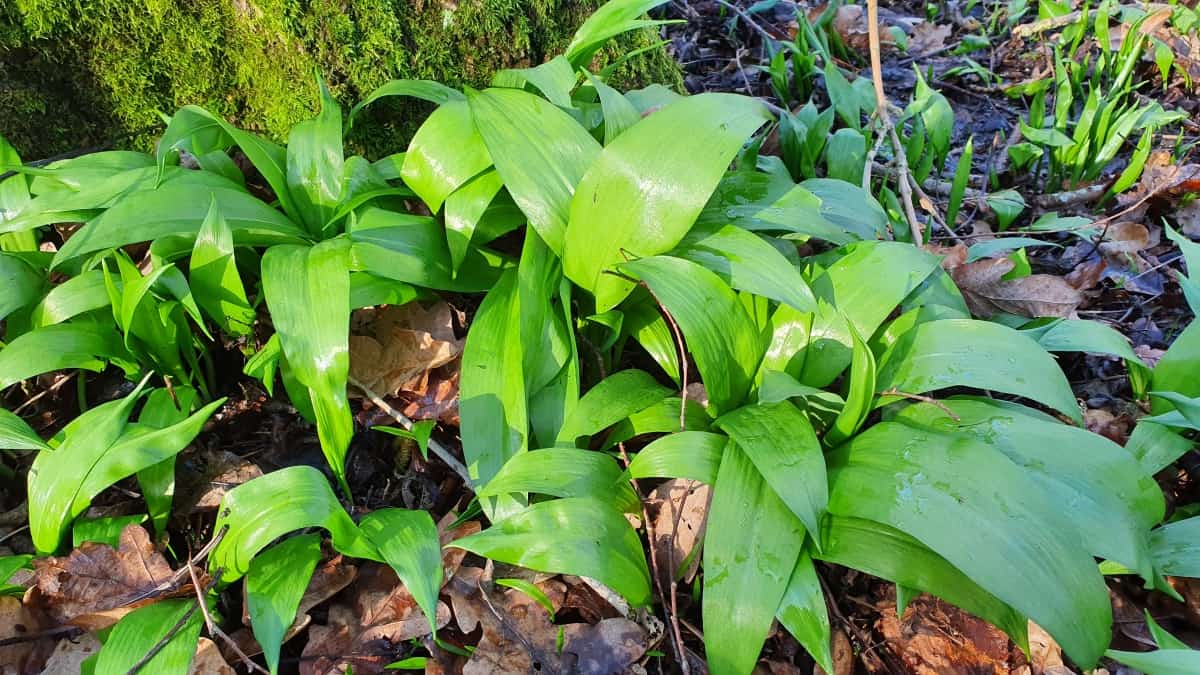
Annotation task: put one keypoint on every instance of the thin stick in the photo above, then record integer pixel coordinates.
(437, 448)
(885, 119)
(683, 363)
(161, 644)
(924, 399)
(215, 630)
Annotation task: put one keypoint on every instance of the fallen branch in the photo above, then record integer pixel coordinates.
(1028, 29)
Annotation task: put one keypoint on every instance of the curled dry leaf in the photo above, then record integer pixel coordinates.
(393, 348)
(86, 586)
(935, 637)
(1045, 656)
(680, 513)
(1126, 238)
(1037, 295)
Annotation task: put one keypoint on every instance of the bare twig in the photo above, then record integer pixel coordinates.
(215, 630)
(924, 399)
(437, 448)
(166, 639)
(1026, 30)
(683, 362)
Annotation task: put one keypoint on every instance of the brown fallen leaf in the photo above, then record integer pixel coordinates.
(84, 587)
(680, 511)
(208, 660)
(1045, 656)
(517, 631)
(1087, 274)
(609, 646)
(436, 396)
(392, 348)
(68, 655)
(1113, 427)
(1036, 295)
(928, 37)
(843, 655)
(213, 474)
(20, 621)
(934, 637)
(1125, 238)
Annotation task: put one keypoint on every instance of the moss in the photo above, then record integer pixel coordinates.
(74, 74)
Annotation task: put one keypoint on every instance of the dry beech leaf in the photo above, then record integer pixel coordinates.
(1037, 295)
(935, 637)
(609, 646)
(392, 348)
(1088, 274)
(436, 396)
(680, 513)
(96, 579)
(928, 37)
(1045, 656)
(1113, 427)
(952, 256)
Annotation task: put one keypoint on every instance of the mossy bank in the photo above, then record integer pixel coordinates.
(80, 74)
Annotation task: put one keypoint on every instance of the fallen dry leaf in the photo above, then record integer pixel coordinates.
(1036, 295)
(934, 637)
(928, 37)
(68, 655)
(1045, 656)
(609, 646)
(19, 621)
(1125, 238)
(680, 513)
(1187, 217)
(84, 587)
(437, 396)
(843, 655)
(1087, 274)
(210, 476)
(208, 660)
(392, 348)
(517, 631)
(1113, 427)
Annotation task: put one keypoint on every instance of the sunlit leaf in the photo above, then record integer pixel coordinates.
(695, 455)
(444, 154)
(89, 346)
(564, 472)
(275, 583)
(408, 542)
(141, 630)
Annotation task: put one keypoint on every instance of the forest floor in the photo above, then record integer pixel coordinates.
(1122, 271)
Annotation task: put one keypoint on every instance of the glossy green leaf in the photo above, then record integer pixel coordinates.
(9, 565)
(780, 442)
(69, 345)
(421, 431)
(860, 394)
(748, 563)
(719, 334)
(413, 249)
(1159, 662)
(890, 554)
(99, 448)
(308, 292)
(22, 284)
(962, 175)
(71, 298)
(180, 209)
(577, 536)
(695, 455)
(1077, 335)
(163, 408)
(541, 153)
(554, 78)
(661, 418)
(747, 263)
(539, 596)
(105, 530)
(959, 496)
(142, 629)
(1156, 446)
(846, 155)
(619, 112)
(1008, 205)
(444, 154)
(428, 90)
(644, 322)
(408, 542)
(315, 163)
(1101, 491)
(1176, 370)
(275, 583)
(564, 472)
(15, 434)
(985, 249)
(1176, 548)
(1190, 284)
(464, 208)
(263, 509)
(611, 19)
(613, 399)
(214, 277)
(979, 354)
(640, 196)
(802, 611)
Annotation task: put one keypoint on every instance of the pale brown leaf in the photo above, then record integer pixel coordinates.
(680, 511)
(392, 348)
(1037, 295)
(935, 637)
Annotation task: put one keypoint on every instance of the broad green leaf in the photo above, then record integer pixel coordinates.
(890, 554)
(1007, 205)
(1155, 446)
(308, 292)
(539, 596)
(71, 298)
(368, 290)
(846, 155)
(720, 335)
(577, 536)
(985, 249)
(275, 583)
(428, 90)
(315, 163)
(444, 154)
(1176, 548)
(979, 354)
(261, 510)
(22, 284)
(611, 19)
(214, 277)
(180, 209)
(267, 157)
(9, 565)
(106, 530)
(163, 408)
(540, 151)
(408, 542)
(695, 455)
(1077, 335)
(1176, 370)
(1159, 662)
(554, 78)
(68, 345)
(1190, 284)
(959, 496)
(748, 563)
(1101, 491)
(413, 249)
(142, 629)
(860, 394)
(613, 399)
(464, 208)
(421, 431)
(962, 175)
(780, 442)
(564, 472)
(94, 456)
(619, 112)
(661, 418)
(798, 213)
(645, 324)
(802, 611)
(747, 263)
(640, 196)
(15, 434)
